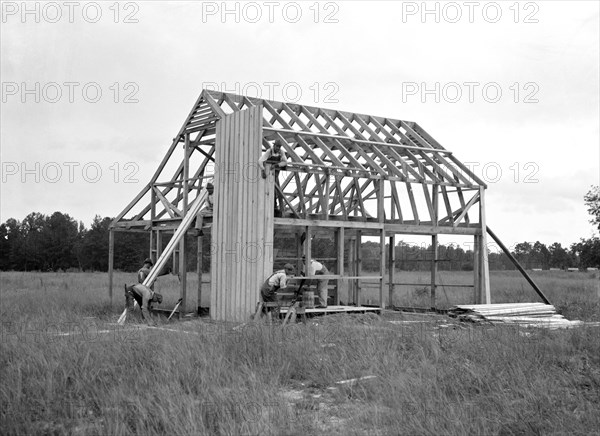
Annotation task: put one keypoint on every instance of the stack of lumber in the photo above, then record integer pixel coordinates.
(523, 314)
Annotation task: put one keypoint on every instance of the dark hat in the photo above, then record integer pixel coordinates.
(209, 185)
(148, 260)
(288, 266)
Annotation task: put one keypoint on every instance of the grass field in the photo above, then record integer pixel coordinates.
(66, 368)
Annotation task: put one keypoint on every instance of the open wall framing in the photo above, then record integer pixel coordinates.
(350, 174)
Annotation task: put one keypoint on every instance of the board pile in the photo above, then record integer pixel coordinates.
(523, 314)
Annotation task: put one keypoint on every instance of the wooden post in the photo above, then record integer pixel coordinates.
(352, 269)
(175, 256)
(341, 283)
(298, 254)
(199, 240)
(358, 266)
(380, 201)
(326, 197)
(484, 264)
(434, 242)
(476, 273)
(152, 244)
(434, 253)
(111, 260)
(381, 266)
(392, 270)
(158, 244)
(307, 250)
(186, 304)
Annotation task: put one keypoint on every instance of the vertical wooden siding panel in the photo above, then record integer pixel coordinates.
(225, 222)
(245, 206)
(230, 234)
(243, 220)
(237, 213)
(254, 149)
(214, 259)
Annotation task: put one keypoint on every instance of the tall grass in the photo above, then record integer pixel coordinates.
(218, 378)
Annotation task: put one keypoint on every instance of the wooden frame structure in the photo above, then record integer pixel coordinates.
(349, 174)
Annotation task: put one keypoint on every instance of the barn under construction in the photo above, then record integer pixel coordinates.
(348, 176)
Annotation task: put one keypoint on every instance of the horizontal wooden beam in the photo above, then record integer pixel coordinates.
(360, 141)
(430, 230)
(327, 223)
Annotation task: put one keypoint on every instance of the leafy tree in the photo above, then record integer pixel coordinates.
(592, 201)
(33, 243)
(540, 255)
(59, 238)
(588, 252)
(559, 256)
(523, 252)
(95, 245)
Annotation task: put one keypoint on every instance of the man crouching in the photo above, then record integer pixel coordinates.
(276, 282)
(144, 297)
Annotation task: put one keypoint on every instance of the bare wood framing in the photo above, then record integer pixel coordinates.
(341, 165)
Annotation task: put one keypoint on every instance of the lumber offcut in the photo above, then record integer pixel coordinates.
(523, 314)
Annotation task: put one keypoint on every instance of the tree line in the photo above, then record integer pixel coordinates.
(59, 242)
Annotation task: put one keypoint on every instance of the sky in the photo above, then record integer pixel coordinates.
(94, 92)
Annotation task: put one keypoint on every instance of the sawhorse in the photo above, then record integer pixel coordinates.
(293, 311)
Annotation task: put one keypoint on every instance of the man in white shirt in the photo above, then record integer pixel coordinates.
(316, 269)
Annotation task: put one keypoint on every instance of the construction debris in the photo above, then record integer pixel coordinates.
(523, 314)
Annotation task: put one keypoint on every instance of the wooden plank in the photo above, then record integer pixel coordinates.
(300, 191)
(255, 151)
(476, 269)
(247, 158)
(238, 288)
(172, 210)
(422, 229)
(428, 200)
(262, 204)
(258, 274)
(392, 269)
(449, 212)
(396, 202)
(413, 204)
(434, 259)
(381, 267)
(466, 208)
(358, 265)
(341, 284)
(111, 261)
(199, 259)
(340, 196)
(330, 223)
(213, 104)
(485, 284)
(380, 200)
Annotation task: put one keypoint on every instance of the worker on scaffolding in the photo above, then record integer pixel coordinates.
(317, 269)
(276, 282)
(207, 209)
(144, 296)
(276, 156)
